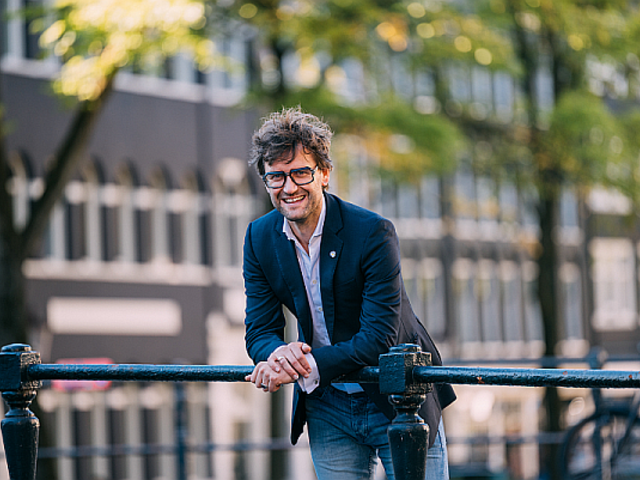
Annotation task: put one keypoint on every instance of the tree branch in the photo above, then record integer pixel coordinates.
(65, 162)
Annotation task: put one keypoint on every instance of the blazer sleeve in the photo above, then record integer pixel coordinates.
(380, 313)
(264, 317)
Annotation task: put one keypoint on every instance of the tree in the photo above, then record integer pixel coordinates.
(318, 38)
(93, 40)
(570, 138)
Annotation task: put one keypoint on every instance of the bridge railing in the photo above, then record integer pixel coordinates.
(405, 374)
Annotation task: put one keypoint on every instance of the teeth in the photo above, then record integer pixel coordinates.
(291, 200)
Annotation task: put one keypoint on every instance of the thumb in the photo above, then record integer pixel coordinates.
(306, 348)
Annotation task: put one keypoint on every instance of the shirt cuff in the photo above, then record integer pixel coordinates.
(310, 383)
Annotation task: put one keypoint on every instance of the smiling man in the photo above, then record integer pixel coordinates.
(336, 267)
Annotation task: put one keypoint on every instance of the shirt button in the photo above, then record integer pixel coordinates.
(319, 309)
(314, 281)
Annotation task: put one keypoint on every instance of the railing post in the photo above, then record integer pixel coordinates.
(20, 427)
(408, 434)
(181, 430)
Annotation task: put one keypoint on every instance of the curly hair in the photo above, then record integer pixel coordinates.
(283, 132)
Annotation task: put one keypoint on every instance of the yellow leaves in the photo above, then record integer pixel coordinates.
(497, 6)
(63, 46)
(529, 21)
(248, 10)
(416, 10)
(462, 44)
(53, 33)
(97, 37)
(394, 33)
(575, 42)
(425, 30)
(483, 56)
(83, 78)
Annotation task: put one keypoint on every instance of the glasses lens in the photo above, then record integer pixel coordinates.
(302, 175)
(274, 180)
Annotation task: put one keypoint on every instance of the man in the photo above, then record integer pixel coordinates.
(336, 267)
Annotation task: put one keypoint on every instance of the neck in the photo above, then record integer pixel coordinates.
(304, 230)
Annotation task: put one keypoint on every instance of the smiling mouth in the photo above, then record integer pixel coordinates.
(293, 199)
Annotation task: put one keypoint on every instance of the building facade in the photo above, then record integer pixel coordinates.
(141, 262)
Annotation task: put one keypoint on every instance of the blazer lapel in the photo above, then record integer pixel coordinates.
(288, 262)
(330, 250)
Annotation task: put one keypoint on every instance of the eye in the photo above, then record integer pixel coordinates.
(275, 176)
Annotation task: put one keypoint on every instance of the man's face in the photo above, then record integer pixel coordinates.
(300, 204)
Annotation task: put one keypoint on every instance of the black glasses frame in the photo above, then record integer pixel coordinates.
(265, 177)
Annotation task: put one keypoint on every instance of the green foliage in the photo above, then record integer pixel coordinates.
(404, 143)
(583, 139)
(95, 38)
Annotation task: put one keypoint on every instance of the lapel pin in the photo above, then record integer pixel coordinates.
(332, 254)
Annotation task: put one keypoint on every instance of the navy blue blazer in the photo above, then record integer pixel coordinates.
(365, 305)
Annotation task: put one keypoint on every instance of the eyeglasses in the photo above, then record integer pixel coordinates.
(299, 176)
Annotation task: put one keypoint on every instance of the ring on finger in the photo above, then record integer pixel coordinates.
(280, 359)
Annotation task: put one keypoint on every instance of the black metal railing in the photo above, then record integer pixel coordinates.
(405, 374)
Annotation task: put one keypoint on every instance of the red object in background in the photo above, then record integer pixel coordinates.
(75, 385)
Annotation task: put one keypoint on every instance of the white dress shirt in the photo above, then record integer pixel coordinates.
(310, 268)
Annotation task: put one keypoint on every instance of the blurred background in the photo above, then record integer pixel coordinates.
(500, 136)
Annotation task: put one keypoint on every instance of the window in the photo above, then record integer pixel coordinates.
(233, 209)
(229, 83)
(19, 190)
(75, 220)
(488, 207)
(424, 282)
(504, 96)
(508, 198)
(466, 303)
(430, 197)
(351, 177)
(511, 302)
(481, 93)
(614, 290)
(464, 203)
(570, 280)
(159, 218)
(532, 312)
(189, 205)
(55, 235)
(529, 220)
(93, 212)
(408, 202)
(31, 46)
(570, 231)
(127, 238)
(489, 296)
(388, 199)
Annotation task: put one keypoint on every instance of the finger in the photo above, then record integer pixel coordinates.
(299, 352)
(300, 363)
(274, 363)
(288, 368)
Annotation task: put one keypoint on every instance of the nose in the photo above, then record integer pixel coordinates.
(289, 185)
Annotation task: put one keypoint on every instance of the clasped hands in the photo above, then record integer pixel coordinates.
(285, 365)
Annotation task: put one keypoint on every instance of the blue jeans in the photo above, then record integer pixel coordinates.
(347, 433)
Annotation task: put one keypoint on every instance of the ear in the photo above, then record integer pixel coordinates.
(324, 177)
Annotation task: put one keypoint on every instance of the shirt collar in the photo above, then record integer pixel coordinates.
(286, 227)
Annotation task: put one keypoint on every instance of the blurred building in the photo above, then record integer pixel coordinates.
(141, 262)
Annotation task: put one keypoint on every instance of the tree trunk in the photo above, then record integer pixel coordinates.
(15, 246)
(548, 295)
(13, 312)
